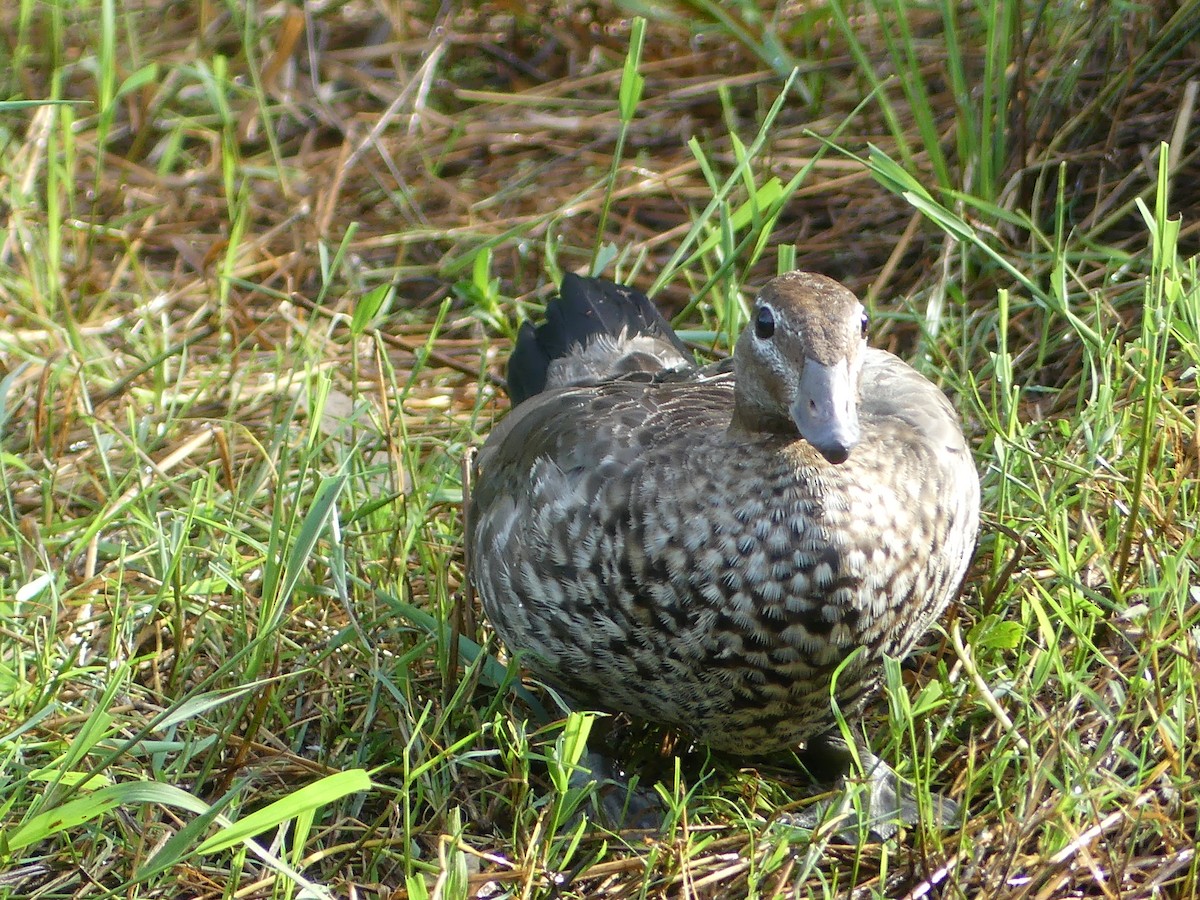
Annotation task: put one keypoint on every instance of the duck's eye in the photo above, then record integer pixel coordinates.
(866, 321)
(764, 323)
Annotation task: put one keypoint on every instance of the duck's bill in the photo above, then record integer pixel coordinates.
(826, 409)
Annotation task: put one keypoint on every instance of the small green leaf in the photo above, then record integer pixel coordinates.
(368, 306)
(320, 793)
(202, 703)
(84, 809)
(927, 699)
(416, 886)
(630, 93)
(606, 254)
(147, 74)
(992, 633)
(80, 780)
(766, 196)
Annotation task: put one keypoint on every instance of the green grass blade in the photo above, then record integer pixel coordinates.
(320, 793)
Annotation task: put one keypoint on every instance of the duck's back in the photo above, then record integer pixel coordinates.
(646, 558)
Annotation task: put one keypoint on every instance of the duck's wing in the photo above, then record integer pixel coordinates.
(595, 331)
(894, 390)
(603, 378)
(579, 428)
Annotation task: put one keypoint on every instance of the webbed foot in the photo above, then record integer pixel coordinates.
(875, 806)
(619, 802)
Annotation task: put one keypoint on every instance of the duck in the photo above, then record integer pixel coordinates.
(730, 550)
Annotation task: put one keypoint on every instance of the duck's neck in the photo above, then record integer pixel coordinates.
(748, 419)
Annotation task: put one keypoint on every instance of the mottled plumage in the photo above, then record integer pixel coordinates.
(704, 547)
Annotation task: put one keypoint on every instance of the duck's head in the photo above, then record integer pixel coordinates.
(799, 361)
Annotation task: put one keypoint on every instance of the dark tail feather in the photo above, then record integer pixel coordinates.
(585, 309)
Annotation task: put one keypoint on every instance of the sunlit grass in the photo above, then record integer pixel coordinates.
(258, 269)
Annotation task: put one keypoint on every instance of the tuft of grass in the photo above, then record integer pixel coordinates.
(259, 267)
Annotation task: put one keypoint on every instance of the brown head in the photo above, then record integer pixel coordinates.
(799, 361)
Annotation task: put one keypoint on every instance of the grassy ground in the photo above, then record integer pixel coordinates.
(259, 266)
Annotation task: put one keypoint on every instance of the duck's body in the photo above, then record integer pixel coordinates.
(667, 544)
